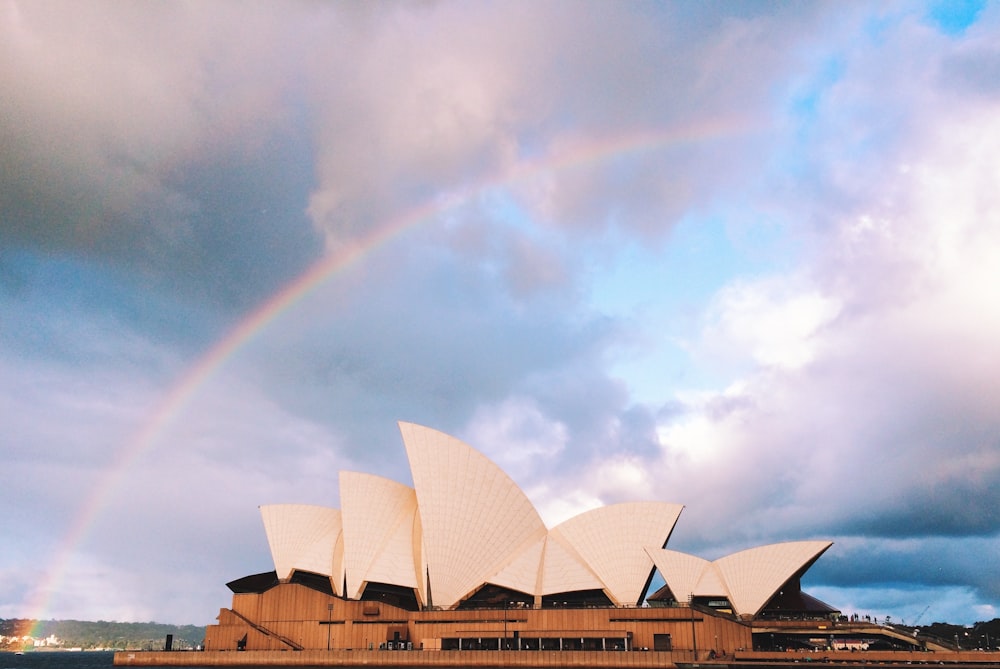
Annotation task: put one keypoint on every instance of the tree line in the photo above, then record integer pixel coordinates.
(100, 634)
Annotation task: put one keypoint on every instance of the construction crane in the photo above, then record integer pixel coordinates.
(921, 615)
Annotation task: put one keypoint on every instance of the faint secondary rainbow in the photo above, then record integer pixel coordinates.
(576, 152)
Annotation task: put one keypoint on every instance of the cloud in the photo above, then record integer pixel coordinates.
(863, 393)
(117, 119)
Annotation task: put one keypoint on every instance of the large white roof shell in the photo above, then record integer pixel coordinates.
(378, 517)
(522, 574)
(563, 570)
(610, 541)
(474, 517)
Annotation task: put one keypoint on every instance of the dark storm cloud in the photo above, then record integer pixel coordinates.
(242, 232)
(952, 499)
(80, 311)
(914, 563)
(133, 138)
(249, 234)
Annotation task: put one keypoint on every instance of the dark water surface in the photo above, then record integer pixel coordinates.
(65, 660)
(57, 660)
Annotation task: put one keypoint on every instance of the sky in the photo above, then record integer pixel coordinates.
(743, 257)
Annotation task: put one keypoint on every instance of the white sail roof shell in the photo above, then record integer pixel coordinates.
(610, 541)
(522, 573)
(756, 574)
(563, 570)
(378, 517)
(302, 537)
(681, 571)
(748, 579)
(465, 524)
(474, 517)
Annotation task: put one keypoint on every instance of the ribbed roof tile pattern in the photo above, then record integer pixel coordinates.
(564, 571)
(523, 571)
(302, 537)
(754, 575)
(748, 579)
(465, 524)
(684, 570)
(610, 540)
(473, 515)
(711, 583)
(378, 518)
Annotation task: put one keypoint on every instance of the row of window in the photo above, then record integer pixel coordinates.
(535, 643)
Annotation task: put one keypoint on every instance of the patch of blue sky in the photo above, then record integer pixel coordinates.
(878, 25)
(804, 106)
(501, 205)
(659, 293)
(503, 208)
(805, 100)
(953, 17)
(62, 288)
(663, 294)
(802, 110)
(698, 258)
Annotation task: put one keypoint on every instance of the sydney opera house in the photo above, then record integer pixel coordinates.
(463, 561)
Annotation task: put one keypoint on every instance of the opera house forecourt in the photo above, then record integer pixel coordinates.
(460, 570)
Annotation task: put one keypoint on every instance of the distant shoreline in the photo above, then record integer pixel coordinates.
(70, 650)
(455, 659)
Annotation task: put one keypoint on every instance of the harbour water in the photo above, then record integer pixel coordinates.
(57, 660)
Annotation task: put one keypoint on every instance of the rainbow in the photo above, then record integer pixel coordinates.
(573, 154)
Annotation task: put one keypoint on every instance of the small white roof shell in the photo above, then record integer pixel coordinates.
(680, 571)
(301, 537)
(610, 541)
(756, 574)
(748, 579)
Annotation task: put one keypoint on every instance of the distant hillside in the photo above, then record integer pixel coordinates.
(981, 635)
(100, 634)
